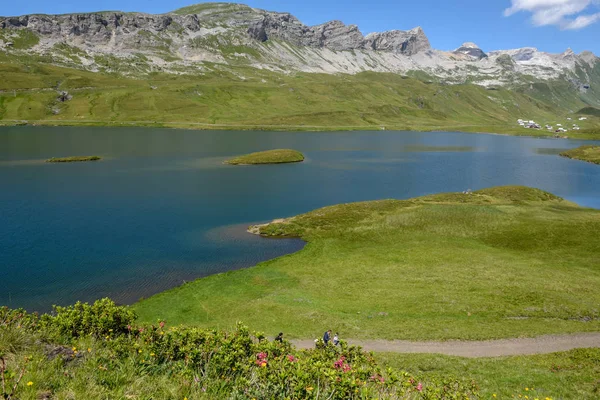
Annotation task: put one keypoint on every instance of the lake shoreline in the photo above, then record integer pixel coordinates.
(199, 126)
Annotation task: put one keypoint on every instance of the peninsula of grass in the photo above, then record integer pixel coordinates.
(277, 156)
(587, 153)
(499, 263)
(73, 159)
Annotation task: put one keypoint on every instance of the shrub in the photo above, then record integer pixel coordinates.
(105, 346)
(102, 318)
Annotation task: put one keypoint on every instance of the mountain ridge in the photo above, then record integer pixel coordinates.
(199, 38)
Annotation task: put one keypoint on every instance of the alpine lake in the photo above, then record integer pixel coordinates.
(162, 208)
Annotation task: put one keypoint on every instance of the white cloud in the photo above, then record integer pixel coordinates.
(582, 21)
(566, 14)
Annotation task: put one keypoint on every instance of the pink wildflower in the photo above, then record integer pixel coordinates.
(339, 363)
(162, 324)
(261, 359)
(291, 358)
(420, 387)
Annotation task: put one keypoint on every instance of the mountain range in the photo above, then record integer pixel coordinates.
(198, 39)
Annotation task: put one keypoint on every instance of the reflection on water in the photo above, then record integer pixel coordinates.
(17, 163)
(162, 208)
(424, 148)
(200, 163)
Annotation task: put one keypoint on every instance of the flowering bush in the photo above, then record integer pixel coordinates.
(215, 364)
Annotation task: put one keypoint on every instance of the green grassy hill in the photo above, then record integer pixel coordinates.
(243, 97)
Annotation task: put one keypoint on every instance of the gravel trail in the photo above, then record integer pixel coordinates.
(473, 349)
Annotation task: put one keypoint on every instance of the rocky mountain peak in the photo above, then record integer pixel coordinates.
(472, 50)
(469, 45)
(569, 54)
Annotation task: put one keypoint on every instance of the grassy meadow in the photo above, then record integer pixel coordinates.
(565, 375)
(498, 263)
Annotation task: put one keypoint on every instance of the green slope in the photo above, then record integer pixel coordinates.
(243, 97)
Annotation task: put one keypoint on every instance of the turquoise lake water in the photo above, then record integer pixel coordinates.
(161, 208)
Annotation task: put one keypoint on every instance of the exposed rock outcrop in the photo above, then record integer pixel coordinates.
(404, 42)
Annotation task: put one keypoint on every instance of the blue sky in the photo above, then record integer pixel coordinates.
(550, 25)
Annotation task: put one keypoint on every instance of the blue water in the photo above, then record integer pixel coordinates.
(161, 208)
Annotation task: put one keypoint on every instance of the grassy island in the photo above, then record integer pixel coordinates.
(73, 159)
(587, 153)
(277, 156)
(498, 263)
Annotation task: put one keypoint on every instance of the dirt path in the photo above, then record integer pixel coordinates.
(487, 348)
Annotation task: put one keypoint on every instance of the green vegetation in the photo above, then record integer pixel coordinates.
(97, 352)
(584, 153)
(73, 159)
(568, 375)
(277, 156)
(497, 263)
(226, 97)
(220, 7)
(21, 39)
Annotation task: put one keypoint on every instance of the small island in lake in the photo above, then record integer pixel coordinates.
(73, 159)
(278, 156)
(587, 153)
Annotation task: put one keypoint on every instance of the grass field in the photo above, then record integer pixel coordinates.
(277, 156)
(569, 375)
(502, 262)
(225, 97)
(584, 153)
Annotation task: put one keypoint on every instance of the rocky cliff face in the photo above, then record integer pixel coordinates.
(261, 26)
(94, 27)
(400, 42)
(186, 40)
(335, 35)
